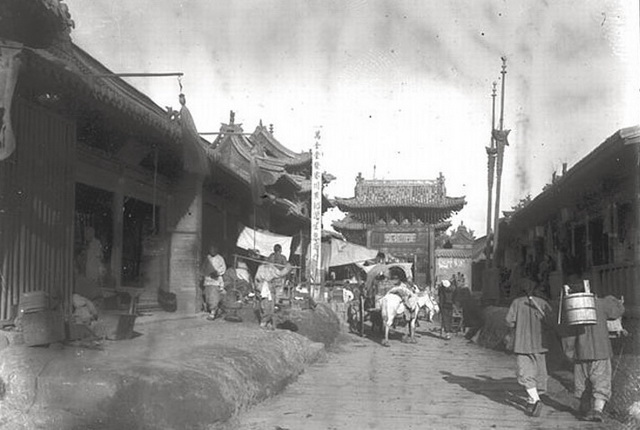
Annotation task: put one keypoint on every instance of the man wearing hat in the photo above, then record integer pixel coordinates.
(445, 300)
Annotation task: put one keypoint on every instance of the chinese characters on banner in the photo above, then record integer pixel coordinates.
(315, 260)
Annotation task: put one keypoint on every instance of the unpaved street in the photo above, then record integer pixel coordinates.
(434, 384)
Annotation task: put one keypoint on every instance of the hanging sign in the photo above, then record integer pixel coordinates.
(315, 257)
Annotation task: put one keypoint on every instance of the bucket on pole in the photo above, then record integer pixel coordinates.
(579, 308)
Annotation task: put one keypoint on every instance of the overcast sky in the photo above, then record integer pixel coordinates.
(401, 85)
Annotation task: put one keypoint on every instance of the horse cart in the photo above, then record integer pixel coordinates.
(366, 304)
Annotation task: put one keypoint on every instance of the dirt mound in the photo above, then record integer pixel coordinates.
(319, 324)
(187, 374)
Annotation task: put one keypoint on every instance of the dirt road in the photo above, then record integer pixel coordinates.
(434, 384)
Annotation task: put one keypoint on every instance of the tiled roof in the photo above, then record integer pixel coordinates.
(453, 253)
(351, 223)
(401, 193)
(272, 146)
(234, 152)
(613, 159)
(76, 67)
(400, 199)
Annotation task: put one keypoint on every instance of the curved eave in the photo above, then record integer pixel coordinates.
(75, 68)
(348, 225)
(454, 253)
(301, 161)
(288, 157)
(355, 225)
(291, 209)
(454, 204)
(285, 177)
(233, 152)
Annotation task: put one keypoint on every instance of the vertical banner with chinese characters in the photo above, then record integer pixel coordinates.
(315, 257)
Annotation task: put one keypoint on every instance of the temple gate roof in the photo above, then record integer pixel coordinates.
(419, 194)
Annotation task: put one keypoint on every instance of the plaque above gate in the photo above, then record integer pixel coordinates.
(400, 237)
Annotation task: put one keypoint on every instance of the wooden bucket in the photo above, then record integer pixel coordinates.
(580, 309)
(33, 301)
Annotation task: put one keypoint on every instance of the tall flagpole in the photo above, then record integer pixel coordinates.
(500, 144)
(315, 257)
(491, 160)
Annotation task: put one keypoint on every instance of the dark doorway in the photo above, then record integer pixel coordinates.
(599, 242)
(93, 212)
(140, 222)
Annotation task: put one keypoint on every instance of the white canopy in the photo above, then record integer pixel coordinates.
(263, 241)
(337, 252)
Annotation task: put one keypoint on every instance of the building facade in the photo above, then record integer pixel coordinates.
(455, 257)
(101, 188)
(399, 217)
(584, 225)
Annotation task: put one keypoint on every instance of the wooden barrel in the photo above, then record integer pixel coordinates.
(580, 309)
(33, 301)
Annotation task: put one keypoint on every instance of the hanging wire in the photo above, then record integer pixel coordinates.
(180, 83)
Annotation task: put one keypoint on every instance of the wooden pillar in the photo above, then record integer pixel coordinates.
(587, 241)
(633, 302)
(186, 243)
(432, 255)
(118, 222)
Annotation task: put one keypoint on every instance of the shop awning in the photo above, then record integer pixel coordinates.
(263, 241)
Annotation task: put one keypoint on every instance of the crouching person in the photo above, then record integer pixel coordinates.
(531, 314)
(591, 349)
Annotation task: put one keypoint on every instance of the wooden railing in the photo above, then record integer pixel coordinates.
(615, 279)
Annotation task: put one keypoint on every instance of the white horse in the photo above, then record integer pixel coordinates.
(391, 305)
(430, 304)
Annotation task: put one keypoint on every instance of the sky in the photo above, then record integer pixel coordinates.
(399, 89)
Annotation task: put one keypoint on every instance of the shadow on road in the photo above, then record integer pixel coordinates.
(498, 390)
(501, 391)
(428, 334)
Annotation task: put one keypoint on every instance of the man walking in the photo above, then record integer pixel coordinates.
(527, 314)
(592, 359)
(445, 300)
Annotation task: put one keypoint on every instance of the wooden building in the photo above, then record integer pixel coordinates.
(399, 217)
(97, 169)
(284, 200)
(586, 220)
(105, 189)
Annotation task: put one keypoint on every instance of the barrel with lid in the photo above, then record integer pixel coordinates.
(580, 309)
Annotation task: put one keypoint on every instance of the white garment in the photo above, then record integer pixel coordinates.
(242, 272)
(217, 262)
(265, 291)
